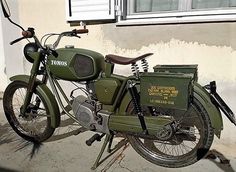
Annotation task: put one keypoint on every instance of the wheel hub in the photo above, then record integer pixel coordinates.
(31, 112)
(166, 132)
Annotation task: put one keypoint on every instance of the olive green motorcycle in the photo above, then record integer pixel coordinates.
(166, 116)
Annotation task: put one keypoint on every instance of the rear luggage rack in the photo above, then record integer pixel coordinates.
(219, 102)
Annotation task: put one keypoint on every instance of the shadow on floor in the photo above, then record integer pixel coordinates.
(2, 169)
(66, 129)
(220, 160)
(7, 135)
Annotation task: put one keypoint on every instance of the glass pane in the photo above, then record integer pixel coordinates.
(156, 5)
(232, 3)
(201, 4)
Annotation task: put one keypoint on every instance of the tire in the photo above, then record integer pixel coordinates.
(35, 124)
(173, 153)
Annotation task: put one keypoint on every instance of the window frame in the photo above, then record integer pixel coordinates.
(88, 15)
(182, 16)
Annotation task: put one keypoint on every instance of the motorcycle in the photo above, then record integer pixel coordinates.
(166, 116)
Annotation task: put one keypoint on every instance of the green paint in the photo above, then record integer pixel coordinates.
(118, 95)
(200, 94)
(64, 66)
(109, 67)
(192, 69)
(48, 96)
(31, 82)
(215, 116)
(132, 123)
(166, 90)
(112, 92)
(106, 90)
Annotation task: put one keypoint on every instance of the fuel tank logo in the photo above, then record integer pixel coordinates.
(58, 63)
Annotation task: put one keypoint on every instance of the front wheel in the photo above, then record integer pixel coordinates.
(189, 142)
(35, 124)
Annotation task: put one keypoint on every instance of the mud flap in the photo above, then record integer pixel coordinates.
(219, 102)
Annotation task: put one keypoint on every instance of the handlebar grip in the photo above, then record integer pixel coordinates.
(27, 34)
(81, 31)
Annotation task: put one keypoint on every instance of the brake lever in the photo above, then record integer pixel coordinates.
(74, 34)
(17, 40)
(77, 36)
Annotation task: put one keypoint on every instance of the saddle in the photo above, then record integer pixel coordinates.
(125, 60)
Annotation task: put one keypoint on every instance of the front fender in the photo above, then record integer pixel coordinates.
(47, 95)
(201, 95)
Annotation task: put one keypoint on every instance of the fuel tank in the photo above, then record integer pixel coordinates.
(76, 64)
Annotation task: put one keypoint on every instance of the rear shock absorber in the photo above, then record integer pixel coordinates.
(136, 102)
(135, 70)
(144, 65)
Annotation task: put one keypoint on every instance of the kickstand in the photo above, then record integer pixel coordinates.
(108, 139)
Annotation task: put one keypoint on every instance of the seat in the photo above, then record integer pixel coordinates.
(125, 60)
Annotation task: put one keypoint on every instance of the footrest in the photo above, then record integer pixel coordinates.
(95, 137)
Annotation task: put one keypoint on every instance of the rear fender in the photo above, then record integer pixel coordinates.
(214, 113)
(47, 95)
(201, 95)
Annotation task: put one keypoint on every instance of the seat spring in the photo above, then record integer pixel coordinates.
(144, 65)
(135, 69)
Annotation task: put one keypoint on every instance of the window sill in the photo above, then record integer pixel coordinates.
(178, 20)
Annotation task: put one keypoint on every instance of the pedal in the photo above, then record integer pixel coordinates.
(95, 137)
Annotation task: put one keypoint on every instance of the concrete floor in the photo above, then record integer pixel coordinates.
(65, 152)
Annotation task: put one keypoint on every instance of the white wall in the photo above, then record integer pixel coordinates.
(3, 76)
(12, 53)
(11, 61)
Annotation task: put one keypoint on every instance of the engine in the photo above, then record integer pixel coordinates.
(89, 115)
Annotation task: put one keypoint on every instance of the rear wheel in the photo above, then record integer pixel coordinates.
(191, 140)
(35, 124)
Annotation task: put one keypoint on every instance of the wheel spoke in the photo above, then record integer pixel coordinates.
(22, 94)
(35, 121)
(191, 131)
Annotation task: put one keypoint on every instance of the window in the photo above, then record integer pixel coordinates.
(209, 4)
(177, 11)
(136, 12)
(150, 6)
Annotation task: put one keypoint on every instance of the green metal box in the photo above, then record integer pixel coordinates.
(192, 69)
(106, 90)
(166, 90)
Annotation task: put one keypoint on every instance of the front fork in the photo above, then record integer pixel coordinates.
(29, 93)
(32, 84)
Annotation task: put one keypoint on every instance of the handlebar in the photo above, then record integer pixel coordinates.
(27, 34)
(81, 31)
(74, 32)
